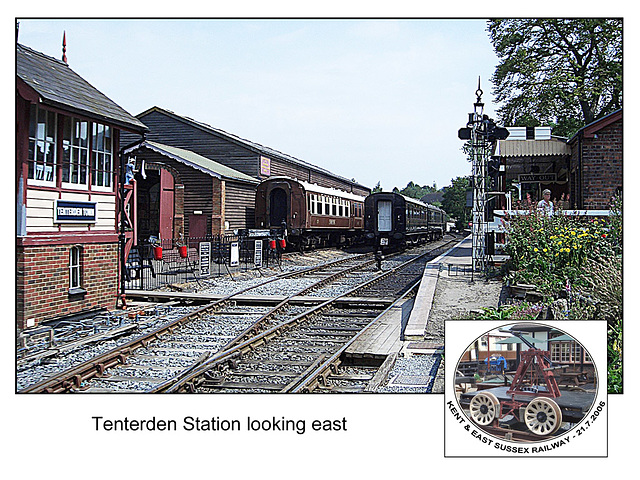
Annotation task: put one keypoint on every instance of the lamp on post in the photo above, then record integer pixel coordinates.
(482, 132)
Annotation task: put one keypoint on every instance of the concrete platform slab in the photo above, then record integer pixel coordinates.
(416, 326)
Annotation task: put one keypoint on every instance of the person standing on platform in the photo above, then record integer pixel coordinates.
(546, 205)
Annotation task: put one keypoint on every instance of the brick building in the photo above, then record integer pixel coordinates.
(67, 144)
(596, 163)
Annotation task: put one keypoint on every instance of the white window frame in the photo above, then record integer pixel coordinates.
(75, 268)
(101, 155)
(48, 141)
(75, 152)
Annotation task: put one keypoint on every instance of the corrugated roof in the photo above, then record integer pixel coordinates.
(59, 86)
(532, 148)
(268, 151)
(194, 160)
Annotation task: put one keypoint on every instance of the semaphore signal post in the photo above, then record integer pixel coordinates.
(482, 132)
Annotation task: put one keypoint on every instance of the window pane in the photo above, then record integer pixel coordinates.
(40, 152)
(107, 139)
(98, 136)
(83, 134)
(66, 131)
(51, 126)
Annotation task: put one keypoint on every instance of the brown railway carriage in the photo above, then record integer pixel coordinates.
(308, 214)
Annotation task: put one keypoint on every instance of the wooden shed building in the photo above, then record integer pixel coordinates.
(250, 159)
(180, 193)
(67, 143)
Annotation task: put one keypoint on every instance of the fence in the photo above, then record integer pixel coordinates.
(152, 264)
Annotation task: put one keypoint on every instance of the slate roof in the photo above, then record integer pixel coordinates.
(59, 86)
(194, 160)
(256, 147)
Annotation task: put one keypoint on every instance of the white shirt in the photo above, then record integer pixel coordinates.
(546, 207)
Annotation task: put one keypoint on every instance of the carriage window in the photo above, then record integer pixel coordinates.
(334, 207)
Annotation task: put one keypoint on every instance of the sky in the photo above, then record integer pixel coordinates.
(376, 100)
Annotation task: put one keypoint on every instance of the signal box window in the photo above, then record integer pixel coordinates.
(102, 164)
(42, 147)
(75, 153)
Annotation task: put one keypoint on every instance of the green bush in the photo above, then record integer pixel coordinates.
(574, 258)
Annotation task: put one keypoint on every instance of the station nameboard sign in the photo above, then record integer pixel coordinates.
(537, 178)
(74, 212)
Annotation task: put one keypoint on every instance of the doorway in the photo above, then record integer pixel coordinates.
(279, 207)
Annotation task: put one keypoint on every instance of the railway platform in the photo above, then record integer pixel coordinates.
(409, 324)
(447, 291)
(458, 256)
(412, 345)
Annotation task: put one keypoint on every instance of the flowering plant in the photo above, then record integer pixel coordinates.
(574, 258)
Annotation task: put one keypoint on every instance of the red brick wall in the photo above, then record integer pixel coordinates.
(43, 281)
(601, 168)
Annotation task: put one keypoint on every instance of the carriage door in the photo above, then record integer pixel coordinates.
(278, 204)
(384, 216)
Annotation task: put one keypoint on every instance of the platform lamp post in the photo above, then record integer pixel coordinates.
(122, 233)
(122, 240)
(483, 133)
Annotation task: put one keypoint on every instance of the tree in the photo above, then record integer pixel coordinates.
(414, 190)
(377, 188)
(454, 201)
(560, 72)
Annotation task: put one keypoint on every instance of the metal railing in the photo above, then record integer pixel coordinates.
(155, 263)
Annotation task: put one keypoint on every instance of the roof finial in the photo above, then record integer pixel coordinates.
(479, 92)
(64, 46)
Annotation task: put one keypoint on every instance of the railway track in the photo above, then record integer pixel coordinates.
(300, 354)
(175, 350)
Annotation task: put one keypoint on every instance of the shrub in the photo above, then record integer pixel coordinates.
(577, 259)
